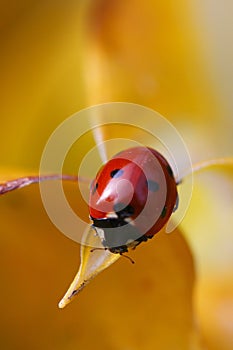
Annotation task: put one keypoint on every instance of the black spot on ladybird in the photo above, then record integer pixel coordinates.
(177, 204)
(95, 188)
(116, 173)
(153, 186)
(164, 212)
(169, 169)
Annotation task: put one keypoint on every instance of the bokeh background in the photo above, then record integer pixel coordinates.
(58, 57)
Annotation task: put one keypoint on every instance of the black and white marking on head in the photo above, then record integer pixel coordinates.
(123, 210)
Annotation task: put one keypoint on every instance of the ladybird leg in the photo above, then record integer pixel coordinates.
(93, 249)
(136, 243)
(29, 180)
(140, 240)
(127, 257)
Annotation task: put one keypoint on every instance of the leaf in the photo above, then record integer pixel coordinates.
(92, 263)
(148, 304)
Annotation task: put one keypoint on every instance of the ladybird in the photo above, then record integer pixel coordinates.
(132, 198)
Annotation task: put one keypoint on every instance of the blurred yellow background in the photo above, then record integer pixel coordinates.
(175, 57)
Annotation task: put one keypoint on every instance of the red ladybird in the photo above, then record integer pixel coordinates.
(132, 198)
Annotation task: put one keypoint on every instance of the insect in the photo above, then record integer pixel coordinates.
(131, 198)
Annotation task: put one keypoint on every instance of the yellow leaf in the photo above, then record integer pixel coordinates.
(92, 263)
(141, 306)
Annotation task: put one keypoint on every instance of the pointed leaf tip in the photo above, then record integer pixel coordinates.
(92, 263)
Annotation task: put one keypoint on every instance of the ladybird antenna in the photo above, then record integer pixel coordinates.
(128, 257)
(121, 254)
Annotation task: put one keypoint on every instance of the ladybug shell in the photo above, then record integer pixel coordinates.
(137, 183)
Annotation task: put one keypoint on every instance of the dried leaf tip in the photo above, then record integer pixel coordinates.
(92, 263)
